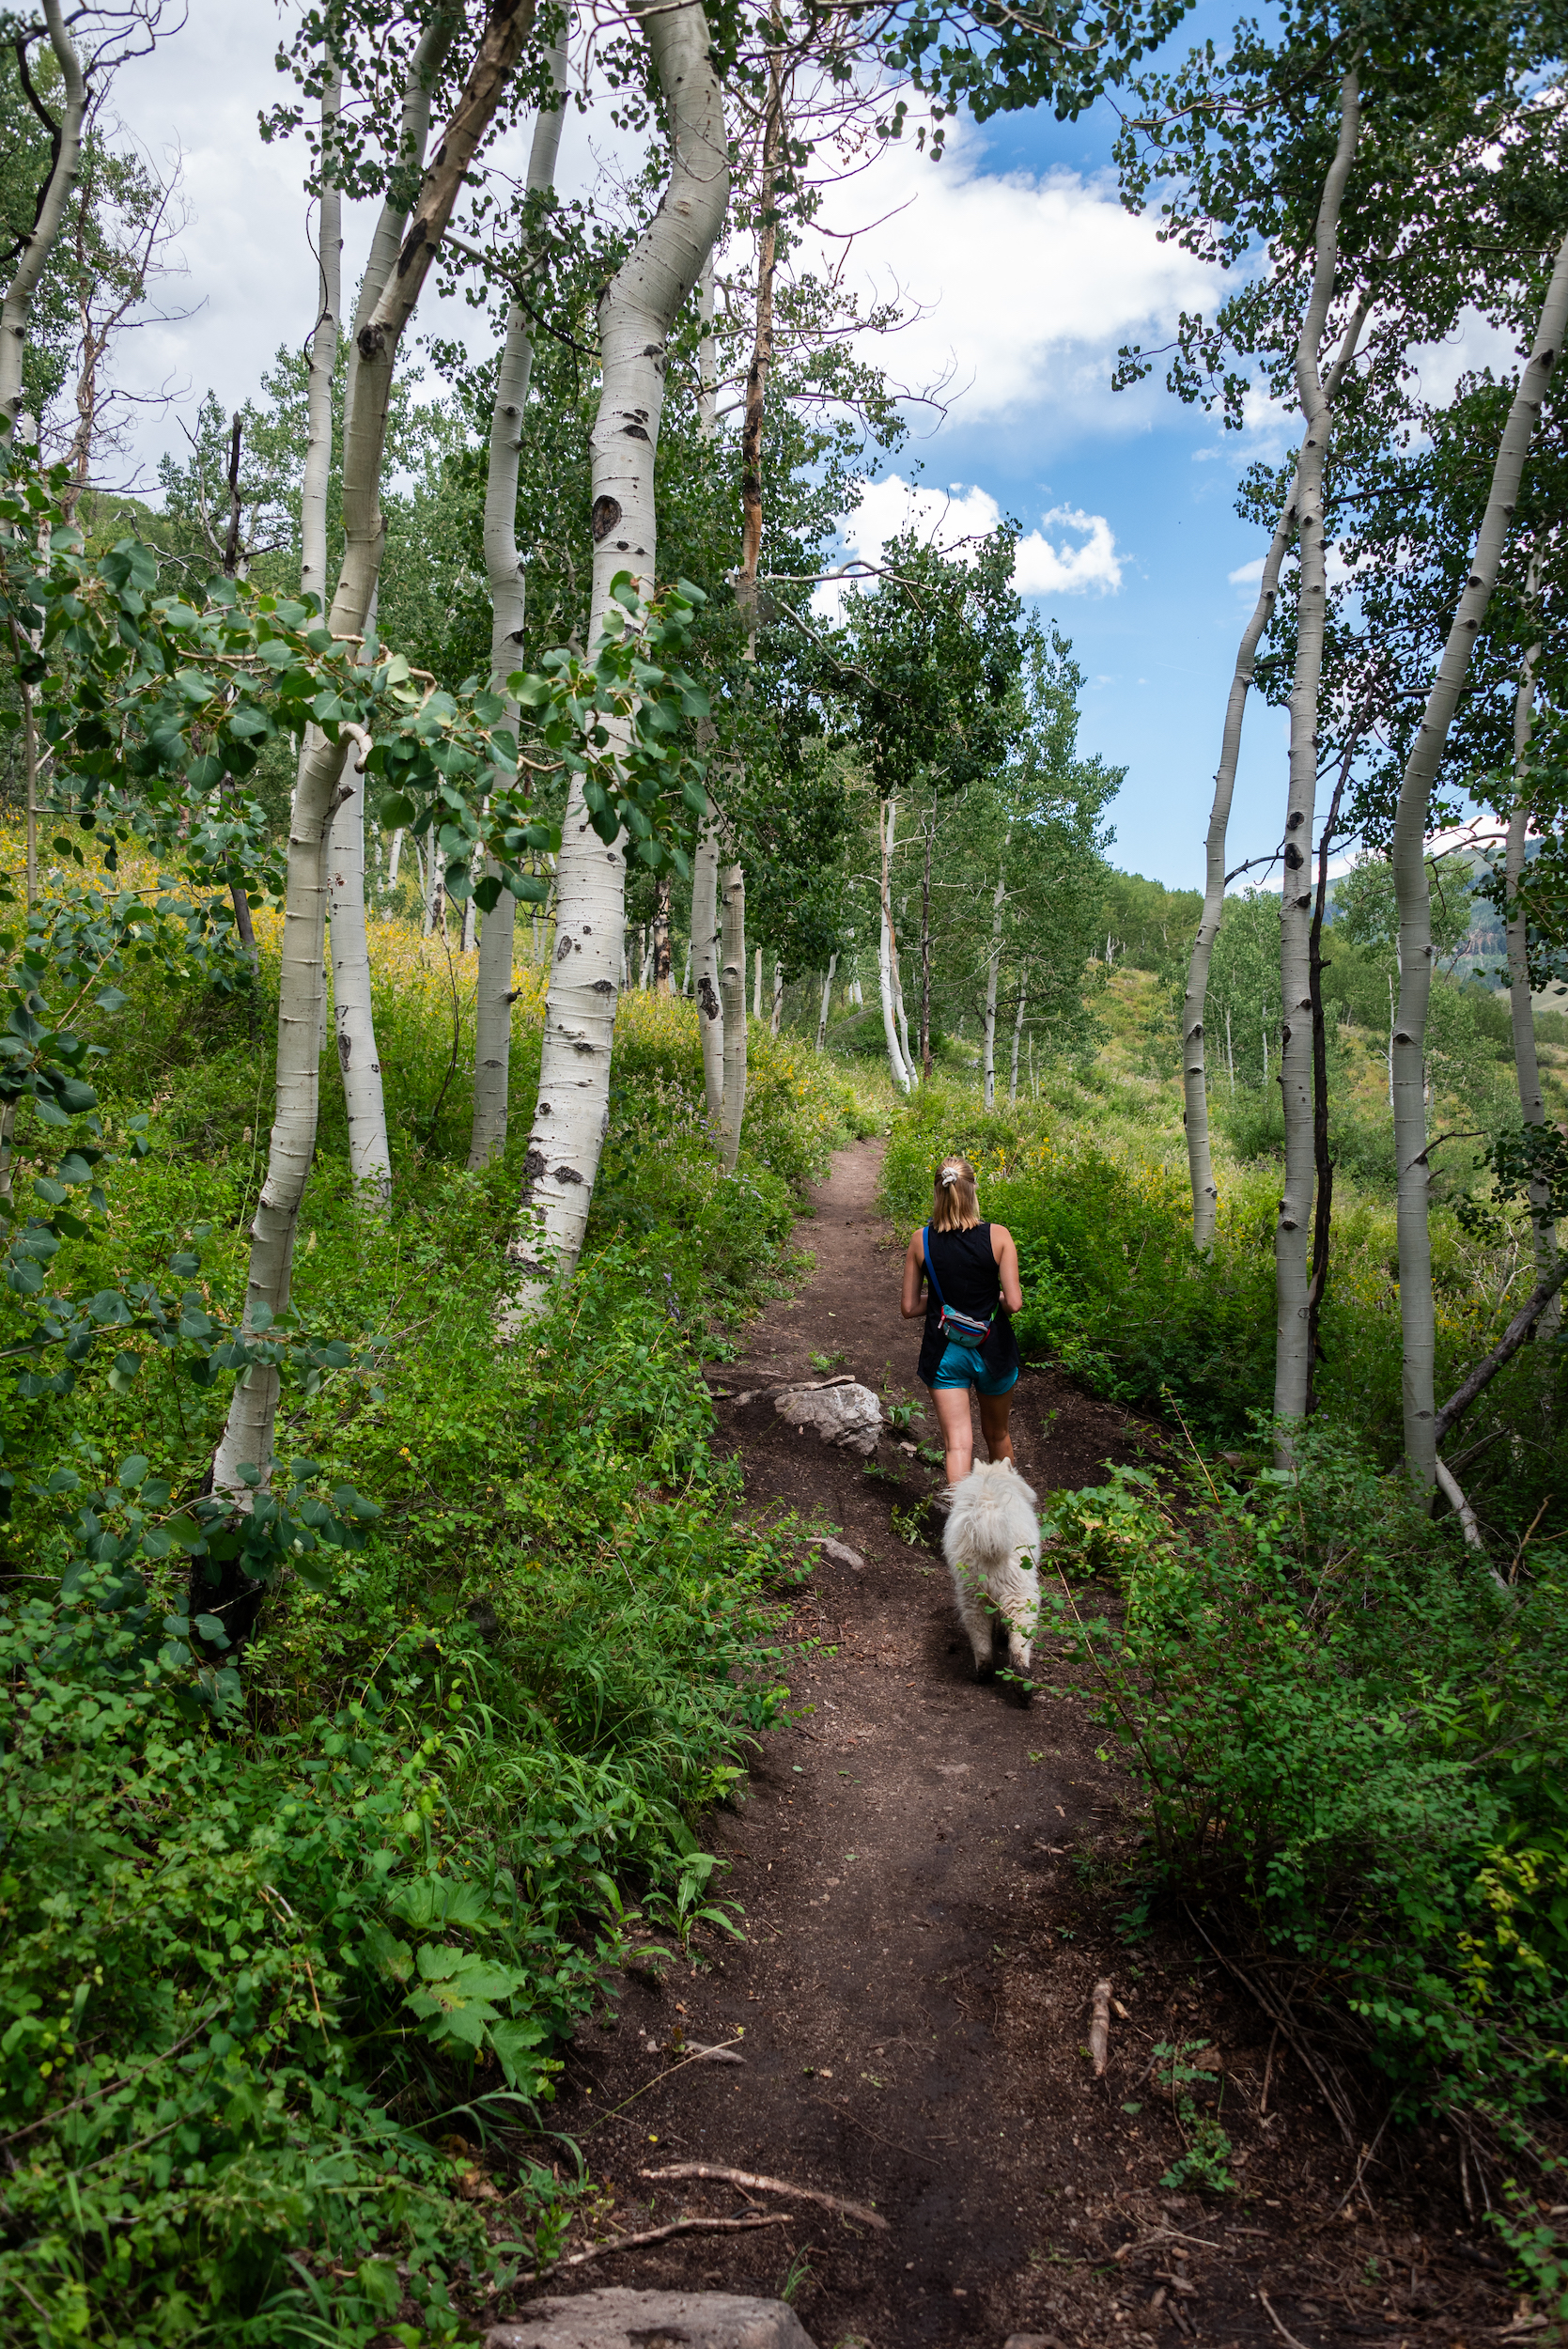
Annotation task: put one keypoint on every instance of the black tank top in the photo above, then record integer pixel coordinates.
(968, 1271)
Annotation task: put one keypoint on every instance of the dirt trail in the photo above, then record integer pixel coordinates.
(925, 1869)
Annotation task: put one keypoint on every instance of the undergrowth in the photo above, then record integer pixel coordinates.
(287, 1957)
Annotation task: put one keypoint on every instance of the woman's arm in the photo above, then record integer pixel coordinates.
(1006, 1256)
(911, 1304)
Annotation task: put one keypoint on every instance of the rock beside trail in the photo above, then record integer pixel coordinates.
(847, 1414)
(615, 2318)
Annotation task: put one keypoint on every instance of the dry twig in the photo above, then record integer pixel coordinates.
(658, 2234)
(1099, 2028)
(768, 2185)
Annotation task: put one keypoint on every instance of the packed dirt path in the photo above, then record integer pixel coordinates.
(931, 1875)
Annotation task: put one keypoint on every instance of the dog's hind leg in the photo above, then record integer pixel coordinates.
(969, 1591)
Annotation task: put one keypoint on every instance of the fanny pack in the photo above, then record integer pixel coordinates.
(962, 1329)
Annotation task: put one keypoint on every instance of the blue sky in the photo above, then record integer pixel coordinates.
(1031, 275)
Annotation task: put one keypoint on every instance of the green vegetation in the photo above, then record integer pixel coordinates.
(269, 1952)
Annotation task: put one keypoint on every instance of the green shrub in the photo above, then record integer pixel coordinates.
(267, 1939)
(1354, 1743)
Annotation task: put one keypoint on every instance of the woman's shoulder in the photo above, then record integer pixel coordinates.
(1000, 1238)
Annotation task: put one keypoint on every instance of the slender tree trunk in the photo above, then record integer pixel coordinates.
(1533, 1107)
(777, 1019)
(508, 585)
(732, 980)
(1417, 1318)
(756, 985)
(16, 309)
(925, 952)
(827, 1002)
(1322, 1164)
(705, 953)
(30, 760)
(322, 360)
(247, 1438)
(636, 312)
(369, 1157)
(896, 963)
(393, 860)
(762, 351)
(886, 949)
(1293, 1355)
(661, 938)
(993, 965)
(1017, 1031)
(705, 959)
(1206, 1195)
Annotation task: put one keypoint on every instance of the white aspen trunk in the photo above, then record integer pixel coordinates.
(16, 309)
(1206, 1195)
(248, 1434)
(508, 586)
(778, 997)
(685, 972)
(1017, 1031)
(732, 978)
(1293, 1226)
(705, 952)
(369, 1157)
(393, 860)
(886, 947)
(757, 985)
(826, 1001)
(1230, 1055)
(432, 886)
(359, 1064)
(705, 961)
(636, 312)
(993, 965)
(1415, 1311)
(1533, 1107)
(322, 362)
(896, 961)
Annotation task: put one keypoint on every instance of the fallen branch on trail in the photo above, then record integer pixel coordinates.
(1507, 1347)
(657, 2234)
(1099, 2028)
(768, 2185)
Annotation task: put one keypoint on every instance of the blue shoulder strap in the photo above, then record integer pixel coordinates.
(930, 1268)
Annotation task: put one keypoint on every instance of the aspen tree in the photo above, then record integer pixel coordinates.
(704, 869)
(636, 312)
(1417, 1322)
(1205, 1194)
(1293, 1357)
(1526, 1064)
(826, 1001)
(17, 308)
(247, 1439)
(508, 585)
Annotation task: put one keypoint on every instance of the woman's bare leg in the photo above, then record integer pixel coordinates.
(995, 1410)
(953, 1416)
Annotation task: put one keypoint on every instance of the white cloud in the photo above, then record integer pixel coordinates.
(1029, 284)
(1043, 566)
(1045, 570)
(1246, 575)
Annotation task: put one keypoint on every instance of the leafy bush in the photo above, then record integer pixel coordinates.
(1357, 1746)
(268, 1939)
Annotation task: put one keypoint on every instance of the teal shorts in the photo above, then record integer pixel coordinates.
(961, 1367)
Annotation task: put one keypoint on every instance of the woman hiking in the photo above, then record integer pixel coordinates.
(970, 1270)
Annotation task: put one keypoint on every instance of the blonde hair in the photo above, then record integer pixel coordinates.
(954, 1204)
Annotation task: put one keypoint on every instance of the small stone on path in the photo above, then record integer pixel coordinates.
(616, 2318)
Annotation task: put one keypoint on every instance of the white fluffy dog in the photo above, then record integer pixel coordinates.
(991, 1544)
